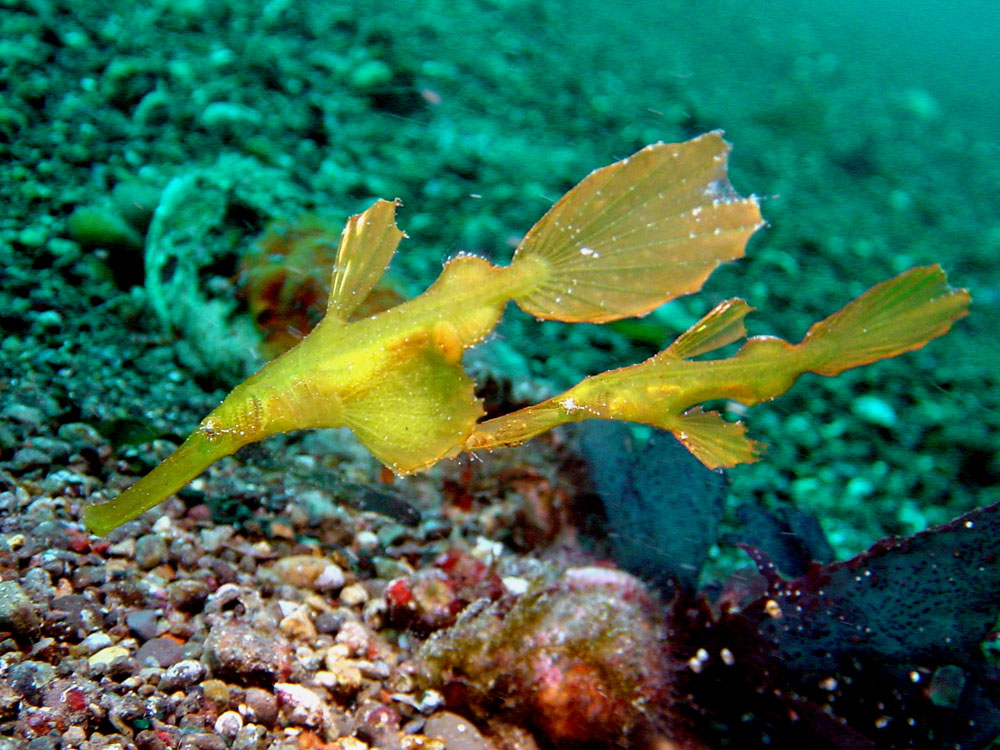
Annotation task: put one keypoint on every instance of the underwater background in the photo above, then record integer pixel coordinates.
(870, 131)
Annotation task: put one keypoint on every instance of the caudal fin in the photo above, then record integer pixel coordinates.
(637, 233)
(896, 316)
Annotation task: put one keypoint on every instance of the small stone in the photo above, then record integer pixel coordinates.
(29, 458)
(340, 676)
(353, 637)
(229, 724)
(216, 691)
(298, 624)
(160, 652)
(309, 571)
(106, 657)
(205, 741)
(349, 743)
(124, 548)
(73, 736)
(150, 551)
(874, 410)
(354, 595)
(248, 738)
(80, 433)
(29, 678)
(87, 576)
(17, 612)
(254, 654)
(370, 74)
(213, 539)
(95, 642)
(262, 706)
(304, 707)
(183, 674)
(330, 622)
(23, 414)
(456, 733)
(188, 594)
(143, 623)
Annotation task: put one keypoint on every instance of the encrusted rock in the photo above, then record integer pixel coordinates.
(248, 653)
(580, 659)
(17, 613)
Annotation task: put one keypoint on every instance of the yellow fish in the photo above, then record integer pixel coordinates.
(628, 238)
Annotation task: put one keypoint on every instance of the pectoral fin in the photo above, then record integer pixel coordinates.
(416, 412)
(366, 246)
(714, 441)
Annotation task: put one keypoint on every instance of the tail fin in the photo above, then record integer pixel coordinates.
(896, 316)
(637, 233)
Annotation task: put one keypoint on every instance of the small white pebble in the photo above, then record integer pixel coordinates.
(367, 540)
(515, 584)
(304, 706)
(354, 595)
(229, 724)
(162, 525)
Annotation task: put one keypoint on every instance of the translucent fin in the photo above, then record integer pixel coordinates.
(637, 233)
(722, 325)
(366, 246)
(418, 410)
(896, 316)
(714, 441)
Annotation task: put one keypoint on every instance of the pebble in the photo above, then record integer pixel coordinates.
(261, 705)
(108, 656)
(29, 458)
(143, 623)
(87, 576)
(298, 624)
(353, 595)
(309, 571)
(124, 548)
(80, 433)
(150, 551)
(183, 674)
(229, 724)
(28, 678)
(255, 654)
(17, 612)
(353, 637)
(874, 410)
(188, 594)
(24, 414)
(160, 652)
(95, 642)
(204, 741)
(304, 707)
(51, 534)
(340, 676)
(248, 738)
(216, 691)
(456, 733)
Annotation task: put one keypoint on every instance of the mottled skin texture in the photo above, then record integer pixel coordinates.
(628, 238)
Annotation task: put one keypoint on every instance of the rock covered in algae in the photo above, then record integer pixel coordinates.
(578, 660)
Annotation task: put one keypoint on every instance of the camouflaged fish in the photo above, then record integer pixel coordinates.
(628, 238)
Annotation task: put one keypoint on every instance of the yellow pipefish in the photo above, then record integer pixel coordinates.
(628, 238)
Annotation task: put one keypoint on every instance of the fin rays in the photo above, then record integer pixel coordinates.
(638, 233)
